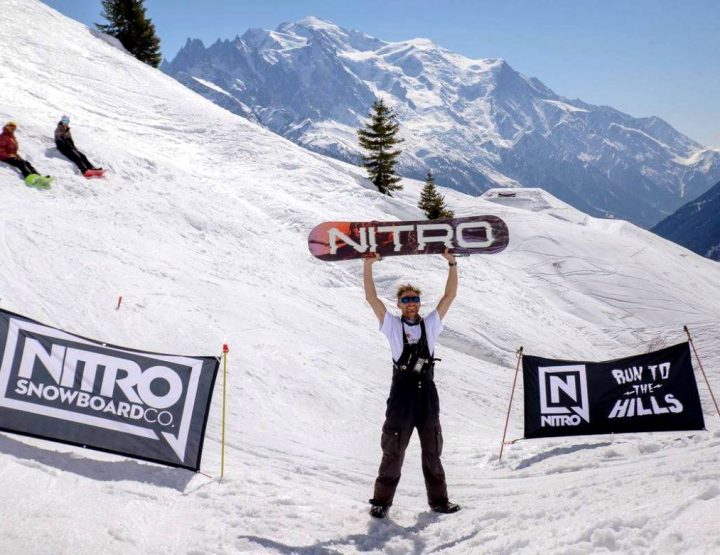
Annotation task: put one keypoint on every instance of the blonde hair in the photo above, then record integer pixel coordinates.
(408, 287)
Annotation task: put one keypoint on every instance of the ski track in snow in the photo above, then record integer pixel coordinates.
(181, 229)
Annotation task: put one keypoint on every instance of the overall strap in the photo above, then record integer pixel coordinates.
(422, 342)
(411, 353)
(423, 338)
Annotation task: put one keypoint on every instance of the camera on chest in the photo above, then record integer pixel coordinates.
(419, 365)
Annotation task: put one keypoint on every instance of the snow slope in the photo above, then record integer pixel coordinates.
(201, 226)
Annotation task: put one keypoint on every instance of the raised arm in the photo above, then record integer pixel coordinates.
(370, 292)
(451, 286)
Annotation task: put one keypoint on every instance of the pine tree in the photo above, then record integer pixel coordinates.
(432, 202)
(128, 24)
(378, 138)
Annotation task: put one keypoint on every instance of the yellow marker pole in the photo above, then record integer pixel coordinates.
(226, 350)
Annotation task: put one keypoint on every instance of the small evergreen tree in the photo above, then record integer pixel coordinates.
(378, 138)
(128, 24)
(432, 202)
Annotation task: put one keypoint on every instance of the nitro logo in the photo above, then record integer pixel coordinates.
(61, 376)
(368, 237)
(76, 374)
(563, 396)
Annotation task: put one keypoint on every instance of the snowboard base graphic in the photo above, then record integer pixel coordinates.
(333, 241)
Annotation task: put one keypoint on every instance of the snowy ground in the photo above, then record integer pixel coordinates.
(201, 226)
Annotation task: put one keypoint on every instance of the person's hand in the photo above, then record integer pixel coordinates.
(450, 257)
(372, 258)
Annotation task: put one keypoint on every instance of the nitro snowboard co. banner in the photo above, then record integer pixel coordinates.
(62, 387)
(651, 392)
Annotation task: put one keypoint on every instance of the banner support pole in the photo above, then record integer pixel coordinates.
(712, 395)
(226, 350)
(519, 355)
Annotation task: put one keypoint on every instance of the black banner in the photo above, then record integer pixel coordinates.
(59, 386)
(651, 392)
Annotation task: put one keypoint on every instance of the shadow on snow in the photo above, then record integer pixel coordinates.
(560, 451)
(379, 534)
(107, 471)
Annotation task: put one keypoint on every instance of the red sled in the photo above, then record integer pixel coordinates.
(333, 241)
(90, 174)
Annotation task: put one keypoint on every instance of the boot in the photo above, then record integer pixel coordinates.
(446, 508)
(379, 511)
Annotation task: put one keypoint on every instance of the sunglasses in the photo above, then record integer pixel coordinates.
(406, 300)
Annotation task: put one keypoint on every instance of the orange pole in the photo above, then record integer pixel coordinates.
(692, 344)
(512, 394)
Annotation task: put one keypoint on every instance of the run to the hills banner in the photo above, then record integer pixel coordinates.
(62, 387)
(651, 392)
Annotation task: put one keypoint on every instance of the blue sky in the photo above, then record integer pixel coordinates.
(644, 57)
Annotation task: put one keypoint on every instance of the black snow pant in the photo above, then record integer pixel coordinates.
(25, 167)
(74, 155)
(413, 403)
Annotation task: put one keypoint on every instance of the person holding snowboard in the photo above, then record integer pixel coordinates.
(9, 151)
(65, 144)
(413, 401)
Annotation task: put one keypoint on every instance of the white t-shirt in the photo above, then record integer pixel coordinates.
(393, 326)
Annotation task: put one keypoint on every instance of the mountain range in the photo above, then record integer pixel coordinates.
(696, 225)
(476, 123)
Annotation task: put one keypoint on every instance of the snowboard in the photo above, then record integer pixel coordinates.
(333, 241)
(38, 181)
(90, 174)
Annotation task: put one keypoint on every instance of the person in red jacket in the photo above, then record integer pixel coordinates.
(9, 150)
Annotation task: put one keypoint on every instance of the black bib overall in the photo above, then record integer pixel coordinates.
(413, 403)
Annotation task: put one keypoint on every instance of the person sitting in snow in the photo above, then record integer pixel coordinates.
(65, 144)
(9, 151)
(413, 401)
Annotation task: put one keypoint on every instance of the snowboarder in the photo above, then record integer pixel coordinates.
(65, 144)
(9, 151)
(413, 401)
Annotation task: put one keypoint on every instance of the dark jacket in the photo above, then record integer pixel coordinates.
(8, 144)
(63, 137)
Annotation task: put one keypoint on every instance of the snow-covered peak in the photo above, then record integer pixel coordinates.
(421, 44)
(258, 39)
(313, 23)
(343, 39)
